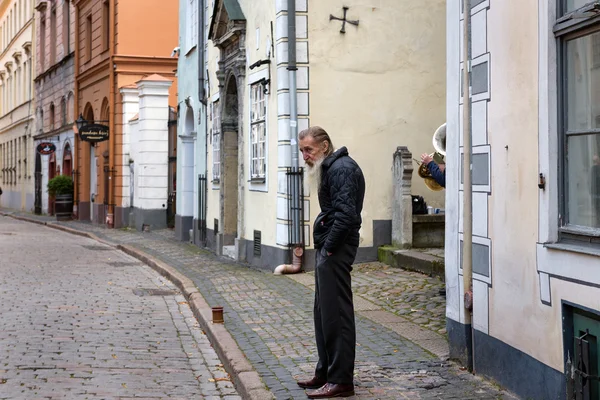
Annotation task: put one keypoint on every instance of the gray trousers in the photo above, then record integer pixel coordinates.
(334, 315)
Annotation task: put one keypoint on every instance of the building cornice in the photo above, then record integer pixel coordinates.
(16, 37)
(54, 67)
(27, 47)
(66, 128)
(94, 70)
(42, 6)
(17, 55)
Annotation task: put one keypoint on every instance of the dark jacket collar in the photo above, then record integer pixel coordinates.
(341, 152)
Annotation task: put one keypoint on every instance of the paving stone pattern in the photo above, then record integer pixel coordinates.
(72, 327)
(270, 317)
(411, 295)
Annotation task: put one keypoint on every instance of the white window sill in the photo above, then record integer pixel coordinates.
(588, 249)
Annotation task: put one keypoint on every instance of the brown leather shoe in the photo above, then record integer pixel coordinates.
(313, 383)
(331, 390)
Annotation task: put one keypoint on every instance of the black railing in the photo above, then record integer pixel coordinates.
(202, 188)
(295, 191)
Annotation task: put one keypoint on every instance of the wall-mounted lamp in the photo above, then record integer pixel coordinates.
(81, 122)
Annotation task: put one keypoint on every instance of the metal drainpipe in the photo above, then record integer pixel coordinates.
(201, 48)
(202, 115)
(78, 149)
(467, 264)
(112, 185)
(296, 237)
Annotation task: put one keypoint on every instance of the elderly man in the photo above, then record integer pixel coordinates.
(341, 190)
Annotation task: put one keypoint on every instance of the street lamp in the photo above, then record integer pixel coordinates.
(80, 122)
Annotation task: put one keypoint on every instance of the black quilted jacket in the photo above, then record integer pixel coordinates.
(341, 198)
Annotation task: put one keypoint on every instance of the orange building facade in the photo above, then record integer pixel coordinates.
(118, 44)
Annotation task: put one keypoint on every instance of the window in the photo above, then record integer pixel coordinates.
(105, 26)
(258, 113)
(53, 36)
(42, 44)
(88, 38)
(63, 112)
(579, 125)
(216, 141)
(66, 17)
(192, 25)
(51, 117)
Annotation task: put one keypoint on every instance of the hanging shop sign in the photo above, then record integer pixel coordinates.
(93, 133)
(46, 148)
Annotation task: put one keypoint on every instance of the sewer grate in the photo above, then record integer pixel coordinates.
(95, 247)
(7, 233)
(120, 264)
(154, 292)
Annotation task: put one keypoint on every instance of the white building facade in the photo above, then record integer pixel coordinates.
(536, 195)
(371, 94)
(17, 112)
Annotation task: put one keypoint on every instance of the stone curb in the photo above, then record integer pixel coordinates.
(246, 380)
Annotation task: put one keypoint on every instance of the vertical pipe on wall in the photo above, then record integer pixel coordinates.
(201, 48)
(78, 151)
(112, 186)
(295, 234)
(292, 69)
(202, 113)
(467, 261)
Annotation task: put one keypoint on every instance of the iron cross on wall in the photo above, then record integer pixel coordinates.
(344, 20)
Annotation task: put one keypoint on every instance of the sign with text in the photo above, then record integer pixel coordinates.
(93, 133)
(46, 148)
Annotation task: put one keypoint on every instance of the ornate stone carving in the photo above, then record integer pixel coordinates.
(402, 222)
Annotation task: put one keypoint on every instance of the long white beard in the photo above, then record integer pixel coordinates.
(315, 171)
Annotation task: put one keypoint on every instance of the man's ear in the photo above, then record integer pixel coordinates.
(326, 146)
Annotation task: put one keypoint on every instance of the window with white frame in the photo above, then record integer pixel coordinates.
(258, 131)
(578, 32)
(216, 141)
(192, 25)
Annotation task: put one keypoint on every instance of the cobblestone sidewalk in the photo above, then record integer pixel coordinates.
(270, 317)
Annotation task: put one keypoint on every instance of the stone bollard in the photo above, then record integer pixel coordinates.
(402, 224)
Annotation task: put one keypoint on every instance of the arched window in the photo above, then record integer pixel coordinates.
(67, 168)
(51, 117)
(63, 111)
(70, 108)
(104, 111)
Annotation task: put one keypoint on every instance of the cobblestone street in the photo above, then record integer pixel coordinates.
(270, 318)
(78, 323)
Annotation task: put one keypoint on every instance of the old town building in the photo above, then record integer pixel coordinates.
(54, 94)
(118, 45)
(17, 112)
(526, 310)
(370, 93)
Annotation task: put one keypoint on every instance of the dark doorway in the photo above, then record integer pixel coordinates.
(229, 161)
(38, 184)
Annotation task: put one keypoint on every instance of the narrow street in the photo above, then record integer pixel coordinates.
(81, 320)
(87, 334)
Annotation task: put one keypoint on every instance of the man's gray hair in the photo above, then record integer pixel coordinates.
(320, 136)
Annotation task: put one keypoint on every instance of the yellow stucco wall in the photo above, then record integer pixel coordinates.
(375, 88)
(379, 86)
